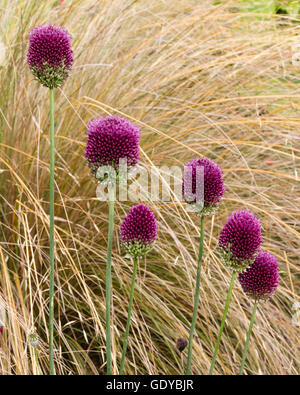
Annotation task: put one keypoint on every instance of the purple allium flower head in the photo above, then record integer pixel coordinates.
(50, 56)
(110, 139)
(210, 192)
(261, 278)
(138, 230)
(240, 239)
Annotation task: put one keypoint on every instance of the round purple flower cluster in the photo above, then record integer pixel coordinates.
(204, 197)
(110, 139)
(138, 230)
(240, 239)
(261, 278)
(50, 56)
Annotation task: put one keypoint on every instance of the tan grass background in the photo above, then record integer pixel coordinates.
(199, 79)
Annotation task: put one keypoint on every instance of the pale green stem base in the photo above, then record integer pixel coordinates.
(222, 323)
(52, 268)
(129, 316)
(196, 301)
(108, 278)
(37, 361)
(248, 338)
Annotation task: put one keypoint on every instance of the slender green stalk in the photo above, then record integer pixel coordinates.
(52, 268)
(248, 338)
(196, 301)
(182, 367)
(108, 277)
(129, 316)
(37, 361)
(222, 323)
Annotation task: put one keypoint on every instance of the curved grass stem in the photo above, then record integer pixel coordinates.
(129, 316)
(248, 338)
(196, 301)
(111, 191)
(222, 323)
(52, 267)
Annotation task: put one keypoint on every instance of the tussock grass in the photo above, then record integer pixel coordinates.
(198, 79)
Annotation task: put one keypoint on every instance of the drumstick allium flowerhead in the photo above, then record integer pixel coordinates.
(240, 240)
(210, 191)
(110, 139)
(50, 56)
(34, 339)
(261, 278)
(138, 231)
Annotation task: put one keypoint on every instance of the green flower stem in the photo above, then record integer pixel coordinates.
(37, 361)
(111, 193)
(129, 316)
(52, 267)
(248, 338)
(196, 302)
(222, 323)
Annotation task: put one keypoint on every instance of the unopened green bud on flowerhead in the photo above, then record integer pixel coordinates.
(34, 339)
